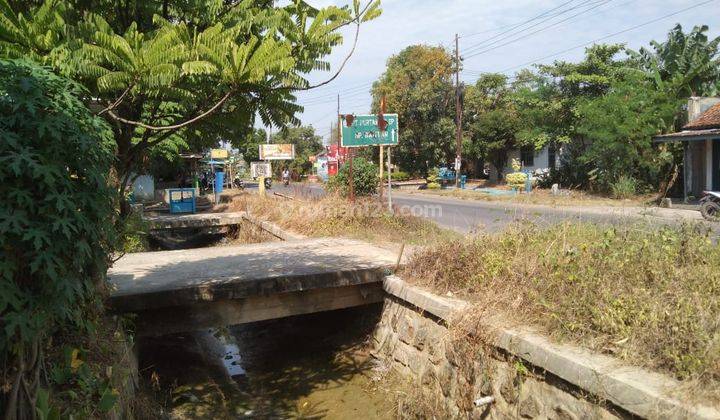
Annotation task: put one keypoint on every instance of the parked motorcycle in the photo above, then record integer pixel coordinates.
(710, 205)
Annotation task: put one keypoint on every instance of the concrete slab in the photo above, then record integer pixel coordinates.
(151, 280)
(199, 220)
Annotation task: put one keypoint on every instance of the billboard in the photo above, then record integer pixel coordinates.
(277, 151)
(218, 154)
(258, 169)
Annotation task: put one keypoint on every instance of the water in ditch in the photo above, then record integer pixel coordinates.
(313, 366)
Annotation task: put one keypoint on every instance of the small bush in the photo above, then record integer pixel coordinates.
(624, 187)
(516, 180)
(433, 186)
(400, 176)
(365, 178)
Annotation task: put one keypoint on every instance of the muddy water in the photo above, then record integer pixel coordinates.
(312, 367)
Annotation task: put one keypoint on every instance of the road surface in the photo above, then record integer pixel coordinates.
(467, 216)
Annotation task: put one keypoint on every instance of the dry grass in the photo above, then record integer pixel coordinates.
(650, 296)
(544, 197)
(366, 219)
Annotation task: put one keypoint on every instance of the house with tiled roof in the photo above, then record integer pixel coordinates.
(701, 143)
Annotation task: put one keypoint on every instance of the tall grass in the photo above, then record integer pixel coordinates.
(365, 219)
(645, 294)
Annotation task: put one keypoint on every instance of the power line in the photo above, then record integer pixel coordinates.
(609, 36)
(526, 22)
(491, 48)
(358, 88)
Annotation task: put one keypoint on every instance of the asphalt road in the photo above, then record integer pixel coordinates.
(462, 215)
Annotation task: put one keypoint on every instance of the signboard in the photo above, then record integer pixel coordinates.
(258, 169)
(277, 151)
(218, 154)
(365, 132)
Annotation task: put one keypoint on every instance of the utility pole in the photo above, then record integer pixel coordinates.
(458, 115)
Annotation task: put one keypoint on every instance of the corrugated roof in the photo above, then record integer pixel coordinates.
(708, 120)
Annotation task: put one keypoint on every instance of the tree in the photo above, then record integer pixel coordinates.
(250, 146)
(155, 69)
(491, 120)
(55, 234)
(417, 85)
(684, 65)
(306, 144)
(619, 127)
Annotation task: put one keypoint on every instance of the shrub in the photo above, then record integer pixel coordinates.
(433, 185)
(400, 176)
(365, 178)
(647, 294)
(56, 220)
(624, 187)
(516, 180)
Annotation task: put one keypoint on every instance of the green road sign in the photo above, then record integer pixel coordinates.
(364, 131)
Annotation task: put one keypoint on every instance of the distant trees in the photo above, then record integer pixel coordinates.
(600, 113)
(417, 85)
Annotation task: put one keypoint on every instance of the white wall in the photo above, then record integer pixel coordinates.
(541, 160)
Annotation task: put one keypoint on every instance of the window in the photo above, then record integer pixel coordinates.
(527, 156)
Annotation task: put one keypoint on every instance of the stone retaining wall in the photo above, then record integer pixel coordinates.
(523, 374)
(421, 347)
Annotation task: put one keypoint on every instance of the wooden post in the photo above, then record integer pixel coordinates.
(389, 193)
(381, 171)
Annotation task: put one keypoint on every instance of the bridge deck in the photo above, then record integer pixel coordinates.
(152, 280)
(199, 220)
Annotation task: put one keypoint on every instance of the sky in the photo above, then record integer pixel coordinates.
(493, 38)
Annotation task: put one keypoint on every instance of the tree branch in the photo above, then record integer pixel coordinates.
(175, 126)
(117, 102)
(337, 73)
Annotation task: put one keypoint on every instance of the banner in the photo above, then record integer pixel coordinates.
(258, 169)
(218, 154)
(277, 151)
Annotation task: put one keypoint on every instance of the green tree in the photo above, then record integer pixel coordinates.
(306, 144)
(490, 120)
(417, 85)
(619, 126)
(55, 221)
(250, 147)
(685, 64)
(156, 69)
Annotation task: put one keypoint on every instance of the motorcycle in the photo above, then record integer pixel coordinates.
(238, 183)
(710, 206)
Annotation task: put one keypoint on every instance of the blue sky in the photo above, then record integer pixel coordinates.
(434, 22)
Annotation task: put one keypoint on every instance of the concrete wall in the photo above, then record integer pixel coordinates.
(541, 161)
(525, 374)
(418, 346)
(697, 105)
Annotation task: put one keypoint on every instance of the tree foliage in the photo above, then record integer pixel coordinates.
(55, 157)
(157, 69)
(417, 85)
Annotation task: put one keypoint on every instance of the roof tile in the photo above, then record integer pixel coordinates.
(709, 119)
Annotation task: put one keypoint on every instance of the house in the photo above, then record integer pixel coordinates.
(531, 160)
(700, 138)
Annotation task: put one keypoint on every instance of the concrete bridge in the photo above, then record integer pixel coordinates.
(184, 290)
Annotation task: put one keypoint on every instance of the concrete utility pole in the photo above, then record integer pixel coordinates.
(458, 115)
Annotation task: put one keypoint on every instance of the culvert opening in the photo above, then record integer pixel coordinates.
(308, 366)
